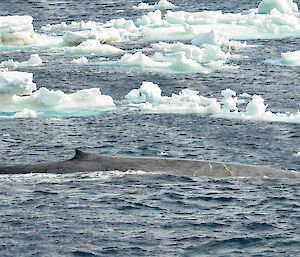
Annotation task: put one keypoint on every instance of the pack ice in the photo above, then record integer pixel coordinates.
(148, 98)
(19, 97)
(16, 30)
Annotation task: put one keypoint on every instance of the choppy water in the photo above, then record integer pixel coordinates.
(150, 215)
(112, 214)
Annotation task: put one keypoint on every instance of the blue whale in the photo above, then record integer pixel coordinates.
(88, 162)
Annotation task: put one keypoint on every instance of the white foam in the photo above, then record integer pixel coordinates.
(16, 30)
(162, 5)
(148, 98)
(93, 47)
(35, 60)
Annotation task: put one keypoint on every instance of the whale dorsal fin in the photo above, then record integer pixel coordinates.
(80, 155)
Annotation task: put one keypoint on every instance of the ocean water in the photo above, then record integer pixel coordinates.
(138, 214)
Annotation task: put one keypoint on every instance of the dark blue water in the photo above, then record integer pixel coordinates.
(114, 214)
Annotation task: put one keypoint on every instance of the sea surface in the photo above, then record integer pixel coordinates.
(139, 214)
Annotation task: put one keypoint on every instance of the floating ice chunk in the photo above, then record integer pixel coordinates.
(26, 113)
(182, 64)
(229, 100)
(187, 26)
(213, 38)
(113, 31)
(16, 30)
(103, 35)
(256, 107)
(48, 97)
(139, 60)
(73, 26)
(283, 6)
(148, 92)
(143, 6)
(19, 95)
(148, 98)
(82, 99)
(287, 59)
(81, 60)
(204, 54)
(123, 24)
(162, 5)
(178, 58)
(35, 60)
(291, 58)
(13, 82)
(150, 18)
(93, 47)
(126, 28)
(210, 38)
(56, 103)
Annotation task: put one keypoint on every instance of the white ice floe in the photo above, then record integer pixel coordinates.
(287, 59)
(213, 38)
(76, 32)
(247, 25)
(176, 58)
(283, 6)
(148, 98)
(16, 30)
(151, 18)
(14, 82)
(162, 5)
(273, 19)
(35, 60)
(80, 60)
(19, 98)
(103, 35)
(73, 26)
(93, 47)
(26, 113)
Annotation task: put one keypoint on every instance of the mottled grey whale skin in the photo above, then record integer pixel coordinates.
(87, 162)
